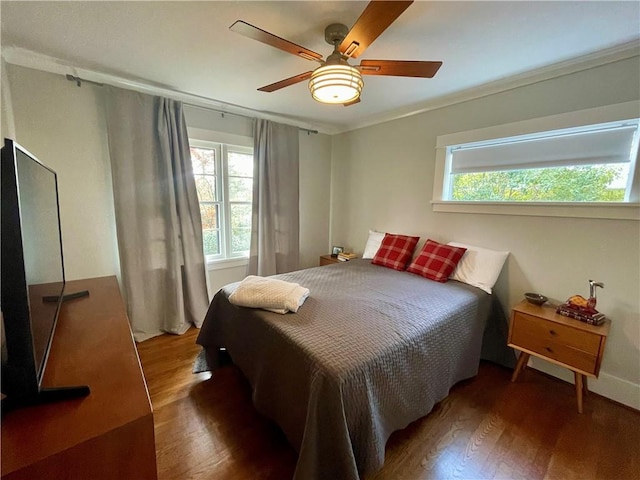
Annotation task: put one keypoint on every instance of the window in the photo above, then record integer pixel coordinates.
(586, 164)
(224, 181)
(577, 164)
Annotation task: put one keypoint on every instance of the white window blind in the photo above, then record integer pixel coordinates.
(611, 143)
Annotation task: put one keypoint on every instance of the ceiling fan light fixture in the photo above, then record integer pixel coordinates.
(336, 84)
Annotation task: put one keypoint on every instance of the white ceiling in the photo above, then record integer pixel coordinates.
(187, 46)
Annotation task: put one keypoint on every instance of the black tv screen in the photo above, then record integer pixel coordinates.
(32, 268)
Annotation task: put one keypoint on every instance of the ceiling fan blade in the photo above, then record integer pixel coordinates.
(375, 19)
(286, 82)
(352, 102)
(248, 30)
(399, 68)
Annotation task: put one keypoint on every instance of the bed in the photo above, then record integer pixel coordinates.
(371, 350)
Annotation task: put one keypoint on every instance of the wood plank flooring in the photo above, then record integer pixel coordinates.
(487, 428)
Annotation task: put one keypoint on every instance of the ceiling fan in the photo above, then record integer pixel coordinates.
(335, 81)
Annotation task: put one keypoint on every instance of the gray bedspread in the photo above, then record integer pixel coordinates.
(371, 350)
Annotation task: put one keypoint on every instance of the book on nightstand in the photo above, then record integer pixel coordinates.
(344, 257)
(590, 318)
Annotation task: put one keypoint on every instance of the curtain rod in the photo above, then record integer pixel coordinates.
(78, 81)
(223, 113)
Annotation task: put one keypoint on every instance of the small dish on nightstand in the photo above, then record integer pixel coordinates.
(535, 298)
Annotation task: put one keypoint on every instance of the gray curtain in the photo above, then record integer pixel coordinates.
(275, 227)
(157, 214)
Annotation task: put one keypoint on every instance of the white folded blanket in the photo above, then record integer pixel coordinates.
(269, 294)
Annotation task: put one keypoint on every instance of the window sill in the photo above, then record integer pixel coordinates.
(227, 263)
(611, 211)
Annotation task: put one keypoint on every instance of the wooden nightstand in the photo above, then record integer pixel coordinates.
(570, 343)
(328, 260)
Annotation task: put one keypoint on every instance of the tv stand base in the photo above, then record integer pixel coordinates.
(58, 394)
(45, 395)
(68, 296)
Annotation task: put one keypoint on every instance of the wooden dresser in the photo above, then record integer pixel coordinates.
(540, 331)
(106, 435)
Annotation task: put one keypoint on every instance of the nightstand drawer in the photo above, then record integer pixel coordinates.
(564, 344)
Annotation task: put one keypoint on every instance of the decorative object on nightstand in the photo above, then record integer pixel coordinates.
(535, 298)
(540, 331)
(335, 251)
(583, 309)
(345, 257)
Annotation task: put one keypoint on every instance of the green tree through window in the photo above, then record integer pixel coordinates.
(592, 183)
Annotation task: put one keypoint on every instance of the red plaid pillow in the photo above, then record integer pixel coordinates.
(436, 261)
(395, 251)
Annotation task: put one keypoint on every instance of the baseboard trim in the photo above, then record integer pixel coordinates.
(614, 388)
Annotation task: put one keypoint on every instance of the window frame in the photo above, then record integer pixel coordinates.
(610, 210)
(226, 256)
(227, 202)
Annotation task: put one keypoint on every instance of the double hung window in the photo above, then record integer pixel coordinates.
(224, 181)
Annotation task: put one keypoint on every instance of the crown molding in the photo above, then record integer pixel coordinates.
(566, 67)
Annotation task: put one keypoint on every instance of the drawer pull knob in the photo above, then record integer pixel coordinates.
(548, 349)
(553, 333)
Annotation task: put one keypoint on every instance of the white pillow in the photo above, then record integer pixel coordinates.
(373, 244)
(479, 266)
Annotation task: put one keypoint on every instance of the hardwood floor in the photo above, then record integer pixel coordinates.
(487, 428)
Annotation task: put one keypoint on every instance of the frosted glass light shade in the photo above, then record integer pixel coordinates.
(336, 84)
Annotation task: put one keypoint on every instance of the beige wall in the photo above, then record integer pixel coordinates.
(315, 190)
(382, 178)
(63, 126)
(7, 127)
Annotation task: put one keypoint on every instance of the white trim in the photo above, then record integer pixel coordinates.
(228, 263)
(219, 137)
(612, 211)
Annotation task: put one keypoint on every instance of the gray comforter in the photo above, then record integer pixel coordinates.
(370, 351)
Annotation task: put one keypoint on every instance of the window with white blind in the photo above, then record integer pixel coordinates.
(587, 164)
(224, 182)
(572, 167)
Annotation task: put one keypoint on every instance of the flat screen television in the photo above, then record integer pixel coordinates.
(32, 278)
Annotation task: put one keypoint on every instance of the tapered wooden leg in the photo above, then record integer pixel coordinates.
(522, 363)
(579, 389)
